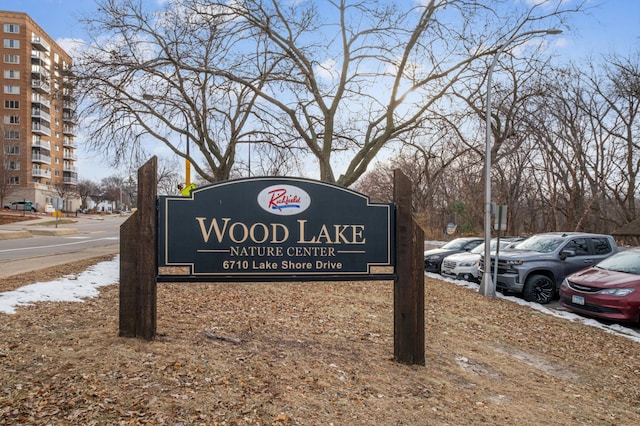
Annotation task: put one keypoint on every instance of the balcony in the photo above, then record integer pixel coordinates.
(38, 113)
(70, 169)
(69, 143)
(68, 155)
(40, 158)
(68, 130)
(37, 142)
(36, 98)
(69, 105)
(41, 130)
(69, 118)
(41, 173)
(40, 86)
(40, 58)
(39, 70)
(39, 44)
(70, 180)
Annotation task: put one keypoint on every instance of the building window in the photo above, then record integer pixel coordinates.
(12, 104)
(12, 74)
(12, 149)
(12, 134)
(14, 180)
(11, 119)
(10, 43)
(58, 173)
(12, 28)
(14, 165)
(11, 89)
(11, 58)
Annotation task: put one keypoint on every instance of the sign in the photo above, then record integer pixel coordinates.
(500, 222)
(274, 227)
(451, 228)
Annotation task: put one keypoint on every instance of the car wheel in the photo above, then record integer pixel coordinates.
(539, 288)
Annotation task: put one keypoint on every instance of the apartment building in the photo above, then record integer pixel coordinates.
(38, 115)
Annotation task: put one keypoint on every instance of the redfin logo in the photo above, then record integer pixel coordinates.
(284, 200)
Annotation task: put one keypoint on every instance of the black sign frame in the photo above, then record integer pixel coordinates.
(274, 229)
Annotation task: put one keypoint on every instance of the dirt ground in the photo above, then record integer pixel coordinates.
(7, 217)
(308, 354)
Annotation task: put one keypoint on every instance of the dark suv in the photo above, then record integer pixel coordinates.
(537, 266)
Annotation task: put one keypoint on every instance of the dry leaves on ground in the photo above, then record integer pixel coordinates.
(310, 354)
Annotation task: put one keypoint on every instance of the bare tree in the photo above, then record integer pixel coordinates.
(168, 177)
(86, 189)
(352, 90)
(616, 123)
(112, 189)
(7, 164)
(65, 191)
(336, 83)
(582, 133)
(156, 78)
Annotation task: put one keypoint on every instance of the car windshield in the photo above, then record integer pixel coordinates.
(455, 244)
(540, 243)
(480, 249)
(624, 261)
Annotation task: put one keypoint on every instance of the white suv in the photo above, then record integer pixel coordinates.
(464, 266)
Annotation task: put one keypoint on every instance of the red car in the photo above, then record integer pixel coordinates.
(609, 290)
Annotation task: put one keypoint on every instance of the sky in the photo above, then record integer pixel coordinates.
(611, 26)
(87, 284)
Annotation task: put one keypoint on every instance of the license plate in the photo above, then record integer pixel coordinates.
(577, 300)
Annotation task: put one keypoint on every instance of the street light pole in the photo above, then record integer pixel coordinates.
(487, 287)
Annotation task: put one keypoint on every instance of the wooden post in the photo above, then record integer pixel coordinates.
(408, 295)
(128, 262)
(138, 261)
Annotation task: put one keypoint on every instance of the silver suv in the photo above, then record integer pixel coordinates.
(536, 267)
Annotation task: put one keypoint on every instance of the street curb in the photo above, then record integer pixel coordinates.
(53, 231)
(14, 235)
(28, 233)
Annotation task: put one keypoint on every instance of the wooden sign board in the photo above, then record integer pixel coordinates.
(274, 228)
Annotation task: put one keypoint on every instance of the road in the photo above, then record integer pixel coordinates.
(96, 236)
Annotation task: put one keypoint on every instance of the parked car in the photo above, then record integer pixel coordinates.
(433, 258)
(20, 205)
(536, 266)
(609, 290)
(464, 266)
